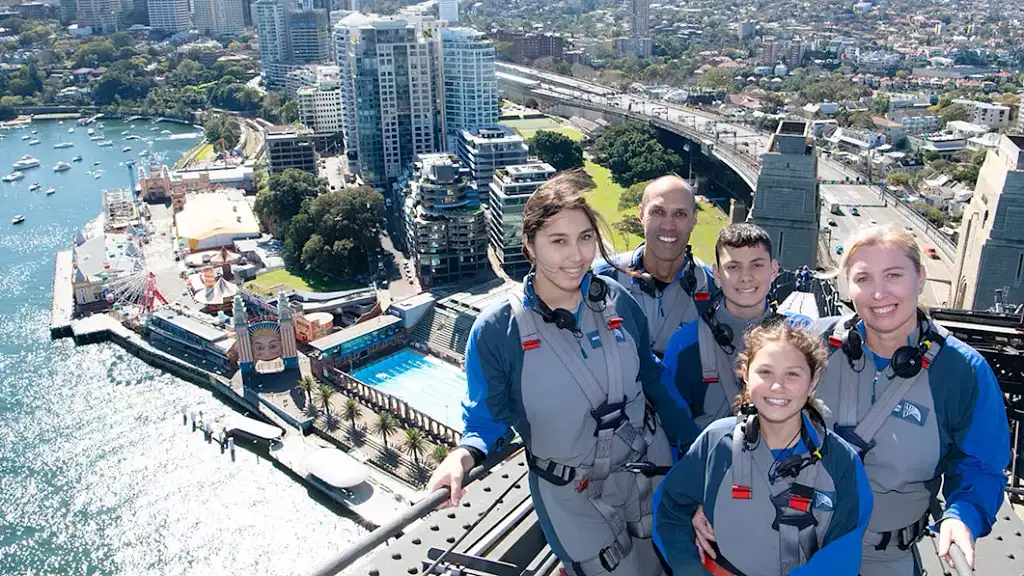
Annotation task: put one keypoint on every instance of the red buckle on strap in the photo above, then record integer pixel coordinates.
(711, 380)
(701, 297)
(614, 323)
(531, 344)
(799, 503)
(740, 492)
(835, 342)
(582, 485)
(925, 361)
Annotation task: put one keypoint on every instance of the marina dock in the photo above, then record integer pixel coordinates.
(63, 305)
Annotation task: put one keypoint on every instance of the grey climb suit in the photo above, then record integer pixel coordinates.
(528, 379)
(949, 427)
(666, 309)
(743, 516)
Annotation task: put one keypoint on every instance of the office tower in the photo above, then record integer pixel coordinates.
(289, 37)
(100, 15)
(990, 252)
(268, 17)
(786, 201)
(509, 190)
(219, 17)
(290, 147)
(320, 109)
(445, 224)
(487, 148)
(169, 15)
(638, 28)
(449, 10)
(747, 30)
(388, 67)
(470, 87)
(308, 39)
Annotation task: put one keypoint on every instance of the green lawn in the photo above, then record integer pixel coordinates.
(605, 199)
(308, 282)
(569, 131)
(528, 127)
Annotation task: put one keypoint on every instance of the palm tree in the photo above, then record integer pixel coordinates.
(439, 453)
(414, 443)
(385, 426)
(307, 384)
(324, 393)
(352, 411)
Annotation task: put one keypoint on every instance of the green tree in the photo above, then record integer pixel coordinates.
(931, 213)
(124, 80)
(880, 105)
(630, 225)
(351, 411)
(333, 233)
(954, 112)
(967, 173)
(307, 384)
(898, 179)
(633, 154)
(283, 197)
(324, 392)
(439, 453)
(187, 73)
(630, 198)
(385, 426)
(719, 78)
(979, 157)
(556, 149)
(414, 444)
(7, 113)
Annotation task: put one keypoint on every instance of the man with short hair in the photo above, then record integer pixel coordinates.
(701, 356)
(671, 286)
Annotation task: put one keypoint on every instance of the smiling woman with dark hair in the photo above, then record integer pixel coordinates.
(567, 363)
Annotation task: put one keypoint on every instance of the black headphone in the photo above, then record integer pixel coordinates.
(649, 286)
(907, 361)
(723, 333)
(566, 320)
(791, 465)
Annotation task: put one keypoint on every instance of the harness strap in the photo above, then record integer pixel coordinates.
(715, 368)
(606, 560)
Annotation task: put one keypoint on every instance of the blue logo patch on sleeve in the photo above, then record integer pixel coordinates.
(798, 320)
(911, 412)
(824, 501)
(620, 335)
(595, 339)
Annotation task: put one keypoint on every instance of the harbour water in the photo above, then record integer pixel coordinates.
(97, 473)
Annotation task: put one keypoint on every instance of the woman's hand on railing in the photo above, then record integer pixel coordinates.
(449, 474)
(953, 531)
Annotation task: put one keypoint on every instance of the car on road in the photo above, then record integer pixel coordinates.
(872, 221)
(839, 249)
(854, 211)
(930, 251)
(832, 222)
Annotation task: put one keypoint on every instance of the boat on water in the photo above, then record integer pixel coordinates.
(131, 137)
(63, 145)
(144, 153)
(105, 143)
(96, 137)
(13, 177)
(154, 128)
(26, 137)
(17, 219)
(33, 142)
(34, 186)
(97, 174)
(50, 191)
(125, 133)
(61, 167)
(96, 163)
(126, 149)
(60, 122)
(71, 130)
(166, 132)
(76, 159)
(24, 162)
(90, 132)
(35, 131)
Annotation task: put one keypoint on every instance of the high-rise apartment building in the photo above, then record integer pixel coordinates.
(289, 37)
(219, 17)
(445, 224)
(169, 15)
(488, 148)
(100, 15)
(290, 147)
(509, 190)
(638, 27)
(990, 252)
(469, 85)
(448, 10)
(786, 201)
(391, 98)
(320, 109)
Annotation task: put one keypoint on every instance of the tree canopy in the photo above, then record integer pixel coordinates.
(633, 154)
(556, 149)
(335, 232)
(278, 203)
(222, 126)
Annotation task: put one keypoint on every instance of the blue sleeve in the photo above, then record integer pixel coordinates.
(840, 554)
(679, 374)
(674, 505)
(673, 411)
(487, 410)
(974, 480)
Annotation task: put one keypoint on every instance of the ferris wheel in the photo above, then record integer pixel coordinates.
(136, 289)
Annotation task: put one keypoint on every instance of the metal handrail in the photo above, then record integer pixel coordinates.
(417, 511)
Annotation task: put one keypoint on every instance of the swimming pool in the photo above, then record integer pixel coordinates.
(426, 383)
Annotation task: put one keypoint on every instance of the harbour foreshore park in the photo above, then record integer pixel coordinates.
(357, 394)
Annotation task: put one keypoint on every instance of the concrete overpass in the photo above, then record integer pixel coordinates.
(737, 147)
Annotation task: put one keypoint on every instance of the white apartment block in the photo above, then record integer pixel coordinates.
(639, 36)
(169, 15)
(470, 87)
(100, 15)
(449, 10)
(219, 17)
(320, 107)
(268, 17)
(995, 116)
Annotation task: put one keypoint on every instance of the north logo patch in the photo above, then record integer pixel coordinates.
(595, 339)
(620, 336)
(911, 412)
(824, 501)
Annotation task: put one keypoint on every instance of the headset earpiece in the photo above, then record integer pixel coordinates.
(751, 429)
(598, 289)
(853, 346)
(689, 279)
